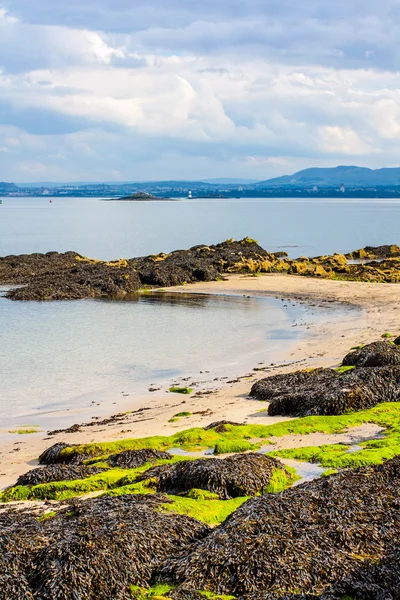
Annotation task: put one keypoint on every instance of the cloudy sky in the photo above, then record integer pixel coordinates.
(94, 90)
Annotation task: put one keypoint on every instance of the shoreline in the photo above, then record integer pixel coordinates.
(326, 344)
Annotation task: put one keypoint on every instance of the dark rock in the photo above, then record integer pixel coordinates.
(57, 473)
(238, 475)
(376, 354)
(53, 455)
(132, 459)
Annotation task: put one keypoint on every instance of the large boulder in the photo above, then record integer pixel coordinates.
(328, 392)
(377, 354)
(235, 476)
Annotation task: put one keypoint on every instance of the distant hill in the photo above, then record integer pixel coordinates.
(7, 187)
(335, 176)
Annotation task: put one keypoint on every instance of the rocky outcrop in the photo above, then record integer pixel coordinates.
(371, 376)
(373, 252)
(70, 276)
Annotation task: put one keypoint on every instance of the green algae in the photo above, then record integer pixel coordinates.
(179, 415)
(47, 516)
(385, 415)
(158, 593)
(344, 369)
(329, 472)
(233, 446)
(234, 439)
(197, 494)
(24, 431)
(211, 512)
(281, 480)
(372, 452)
(180, 390)
(61, 490)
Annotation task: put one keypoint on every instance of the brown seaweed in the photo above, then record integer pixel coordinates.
(57, 473)
(326, 392)
(93, 549)
(132, 459)
(238, 475)
(306, 538)
(377, 354)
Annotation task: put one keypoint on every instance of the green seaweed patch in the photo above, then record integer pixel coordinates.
(196, 494)
(359, 347)
(386, 335)
(281, 479)
(329, 472)
(385, 415)
(158, 592)
(179, 415)
(180, 390)
(116, 480)
(47, 516)
(234, 446)
(344, 369)
(24, 431)
(249, 240)
(211, 512)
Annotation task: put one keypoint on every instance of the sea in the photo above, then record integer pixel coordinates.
(61, 362)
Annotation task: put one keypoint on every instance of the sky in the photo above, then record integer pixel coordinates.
(103, 90)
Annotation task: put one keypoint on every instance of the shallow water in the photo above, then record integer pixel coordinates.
(68, 356)
(305, 470)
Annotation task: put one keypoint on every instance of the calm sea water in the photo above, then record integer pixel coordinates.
(58, 358)
(108, 230)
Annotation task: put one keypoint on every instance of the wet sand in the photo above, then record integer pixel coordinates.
(324, 345)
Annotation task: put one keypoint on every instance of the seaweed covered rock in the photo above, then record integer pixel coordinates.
(376, 354)
(371, 580)
(84, 279)
(16, 269)
(69, 276)
(20, 539)
(55, 276)
(304, 539)
(372, 252)
(57, 473)
(220, 426)
(93, 549)
(328, 392)
(238, 475)
(132, 459)
(270, 387)
(54, 455)
(202, 263)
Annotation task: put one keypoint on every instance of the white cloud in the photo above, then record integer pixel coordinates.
(207, 85)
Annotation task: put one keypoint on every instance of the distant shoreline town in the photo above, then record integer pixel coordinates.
(336, 182)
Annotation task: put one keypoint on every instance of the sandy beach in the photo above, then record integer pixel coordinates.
(374, 311)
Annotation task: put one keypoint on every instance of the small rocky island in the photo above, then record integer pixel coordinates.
(139, 197)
